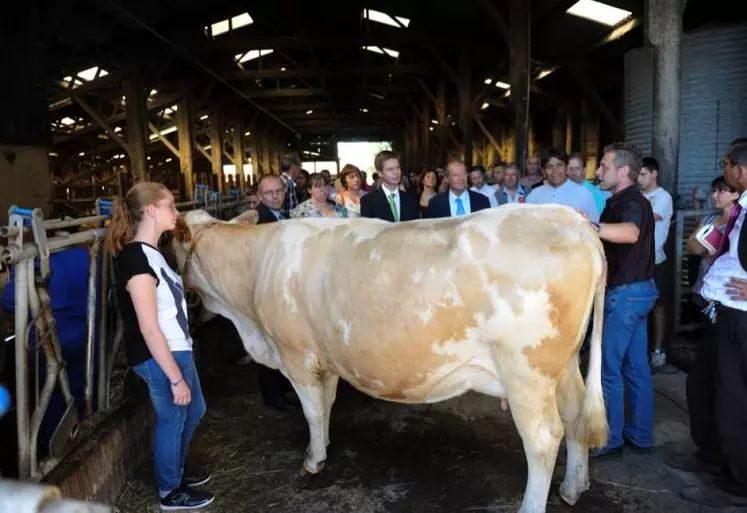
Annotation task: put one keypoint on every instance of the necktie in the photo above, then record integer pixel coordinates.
(393, 207)
(460, 207)
(723, 247)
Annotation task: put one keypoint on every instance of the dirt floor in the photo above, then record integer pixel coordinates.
(462, 455)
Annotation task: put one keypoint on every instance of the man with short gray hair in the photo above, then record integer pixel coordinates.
(457, 200)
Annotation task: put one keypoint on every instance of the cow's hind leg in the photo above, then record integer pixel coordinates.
(330, 393)
(537, 419)
(570, 395)
(312, 402)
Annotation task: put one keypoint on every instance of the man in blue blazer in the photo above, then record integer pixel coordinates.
(458, 200)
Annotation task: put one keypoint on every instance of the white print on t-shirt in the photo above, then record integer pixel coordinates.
(172, 305)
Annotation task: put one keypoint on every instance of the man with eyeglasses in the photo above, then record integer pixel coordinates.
(271, 198)
(272, 384)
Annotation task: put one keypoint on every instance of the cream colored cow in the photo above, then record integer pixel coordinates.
(496, 302)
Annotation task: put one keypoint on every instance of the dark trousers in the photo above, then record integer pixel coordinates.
(731, 392)
(272, 384)
(717, 395)
(701, 399)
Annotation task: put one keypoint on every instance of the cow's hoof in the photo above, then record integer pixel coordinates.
(305, 472)
(569, 495)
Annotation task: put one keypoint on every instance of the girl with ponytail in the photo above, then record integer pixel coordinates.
(156, 333)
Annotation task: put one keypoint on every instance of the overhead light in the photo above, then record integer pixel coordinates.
(248, 132)
(242, 20)
(430, 128)
(233, 23)
(488, 81)
(153, 92)
(67, 121)
(310, 111)
(53, 154)
(485, 106)
(502, 85)
(363, 109)
(434, 121)
(168, 159)
(282, 69)
(377, 96)
(91, 73)
(82, 154)
(599, 12)
(203, 117)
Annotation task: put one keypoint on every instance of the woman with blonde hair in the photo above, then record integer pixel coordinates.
(158, 344)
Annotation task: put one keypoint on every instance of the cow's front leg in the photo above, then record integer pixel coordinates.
(312, 402)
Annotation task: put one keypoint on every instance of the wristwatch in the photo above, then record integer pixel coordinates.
(595, 225)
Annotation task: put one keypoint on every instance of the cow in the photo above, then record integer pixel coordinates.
(496, 302)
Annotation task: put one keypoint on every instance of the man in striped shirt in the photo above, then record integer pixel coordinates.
(627, 232)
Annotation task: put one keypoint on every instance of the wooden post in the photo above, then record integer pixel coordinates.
(216, 150)
(238, 152)
(466, 107)
(426, 127)
(519, 64)
(185, 133)
(137, 128)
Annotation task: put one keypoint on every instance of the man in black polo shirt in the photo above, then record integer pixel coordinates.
(626, 228)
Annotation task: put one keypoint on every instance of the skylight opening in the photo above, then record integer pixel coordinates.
(383, 51)
(386, 19)
(599, 12)
(542, 74)
(87, 75)
(485, 106)
(224, 26)
(502, 85)
(165, 131)
(251, 55)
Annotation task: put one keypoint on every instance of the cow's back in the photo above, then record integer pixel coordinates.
(407, 311)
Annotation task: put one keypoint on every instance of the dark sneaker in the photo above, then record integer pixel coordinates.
(184, 498)
(199, 478)
(605, 452)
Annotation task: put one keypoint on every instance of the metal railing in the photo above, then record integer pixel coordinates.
(686, 221)
(32, 297)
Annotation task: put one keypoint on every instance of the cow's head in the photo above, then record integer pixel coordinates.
(188, 227)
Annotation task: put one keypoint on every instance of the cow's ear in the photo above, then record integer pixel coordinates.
(181, 231)
(248, 217)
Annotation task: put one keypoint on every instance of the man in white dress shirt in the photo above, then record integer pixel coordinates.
(717, 382)
(560, 189)
(477, 179)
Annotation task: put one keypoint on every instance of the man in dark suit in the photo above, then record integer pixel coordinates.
(458, 200)
(272, 384)
(389, 202)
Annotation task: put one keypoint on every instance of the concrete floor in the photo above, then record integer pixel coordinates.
(462, 455)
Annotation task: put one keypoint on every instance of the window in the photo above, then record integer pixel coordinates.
(382, 51)
(386, 19)
(318, 166)
(251, 55)
(223, 26)
(599, 12)
(80, 78)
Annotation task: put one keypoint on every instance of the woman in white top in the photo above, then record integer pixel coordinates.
(350, 197)
(157, 341)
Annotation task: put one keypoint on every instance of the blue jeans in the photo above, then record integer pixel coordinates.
(625, 357)
(175, 424)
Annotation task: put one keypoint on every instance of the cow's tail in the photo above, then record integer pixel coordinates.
(591, 425)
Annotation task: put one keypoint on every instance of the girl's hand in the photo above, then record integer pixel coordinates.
(182, 394)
